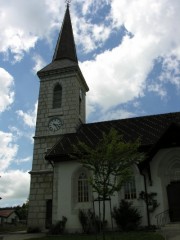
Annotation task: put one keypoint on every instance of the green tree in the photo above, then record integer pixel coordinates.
(110, 163)
(22, 211)
(126, 216)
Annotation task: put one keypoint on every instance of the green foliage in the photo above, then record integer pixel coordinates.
(59, 227)
(110, 162)
(22, 211)
(126, 216)
(33, 230)
(86, 219)
(5, 228)
(90, 222)
(149, 199)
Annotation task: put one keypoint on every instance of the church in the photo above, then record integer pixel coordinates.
(59, 185)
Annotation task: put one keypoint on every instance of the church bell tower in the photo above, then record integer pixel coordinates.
(61, 110)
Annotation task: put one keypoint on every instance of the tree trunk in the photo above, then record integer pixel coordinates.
(103, 221)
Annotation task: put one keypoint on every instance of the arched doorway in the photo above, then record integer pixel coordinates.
(173, 193)
(169, 173)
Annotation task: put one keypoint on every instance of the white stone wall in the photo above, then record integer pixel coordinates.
(137, 203)
(163, 167)
(64, 200)
(65, 204)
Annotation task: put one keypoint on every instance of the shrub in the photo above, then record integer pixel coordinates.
(59, 227)
(90, 222)
(126, 216)
(99, 225)
(33, 230)
(86, 219)
(149, 199)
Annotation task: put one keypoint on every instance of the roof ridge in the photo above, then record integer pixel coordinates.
(130, 118)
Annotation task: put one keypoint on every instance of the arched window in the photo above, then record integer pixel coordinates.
(57, 96)
(83, 188)
(130, 189)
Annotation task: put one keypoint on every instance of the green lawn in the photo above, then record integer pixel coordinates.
(12, 228)
(120, 236)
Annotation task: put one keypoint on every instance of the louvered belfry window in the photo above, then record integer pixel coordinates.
(57, 96)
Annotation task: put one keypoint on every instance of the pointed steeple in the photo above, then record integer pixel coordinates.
(65, 48)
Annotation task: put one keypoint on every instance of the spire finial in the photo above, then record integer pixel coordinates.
(68, 2)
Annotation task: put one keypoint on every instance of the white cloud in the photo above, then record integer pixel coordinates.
(116, 114)
(152, 23)
(8, 150)
(6, 92)
(114, 78)
(171, 71)
(90, 34)
(23, 160)
(91, 7)
(23, 23)
(17, 133)
(119, 76)
(29, 117)
(14, 187)
(39, 63)
(157, 88)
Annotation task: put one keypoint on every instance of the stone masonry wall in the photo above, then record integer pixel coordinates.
(41, 191)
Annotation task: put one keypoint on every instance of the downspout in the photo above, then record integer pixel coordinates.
(146, 200)
(52, 164)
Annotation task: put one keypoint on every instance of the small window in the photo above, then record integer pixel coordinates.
(80, 106)
(80, 100)
(57, 96)
(83, 188)
(130, 189)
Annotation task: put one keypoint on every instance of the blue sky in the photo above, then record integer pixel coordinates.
(129, 53)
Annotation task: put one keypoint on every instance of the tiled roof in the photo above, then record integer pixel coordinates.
(65, 48)
(148, 128)
(62, 65)
(65, 56)
(6, 213)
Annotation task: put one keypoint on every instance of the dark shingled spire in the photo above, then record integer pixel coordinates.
(65, 48)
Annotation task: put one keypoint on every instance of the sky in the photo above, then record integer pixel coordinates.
(129, 54)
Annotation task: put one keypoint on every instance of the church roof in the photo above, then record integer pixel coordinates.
(65, 56)
(148, 128)
(61, 66)
(65, 48)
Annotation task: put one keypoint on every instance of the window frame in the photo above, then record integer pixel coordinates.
(57, 96)
(83, 187)
(130, 190)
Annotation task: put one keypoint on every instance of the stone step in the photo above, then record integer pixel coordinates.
(172, 226)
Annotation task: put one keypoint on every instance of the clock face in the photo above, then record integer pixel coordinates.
(55, 124)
